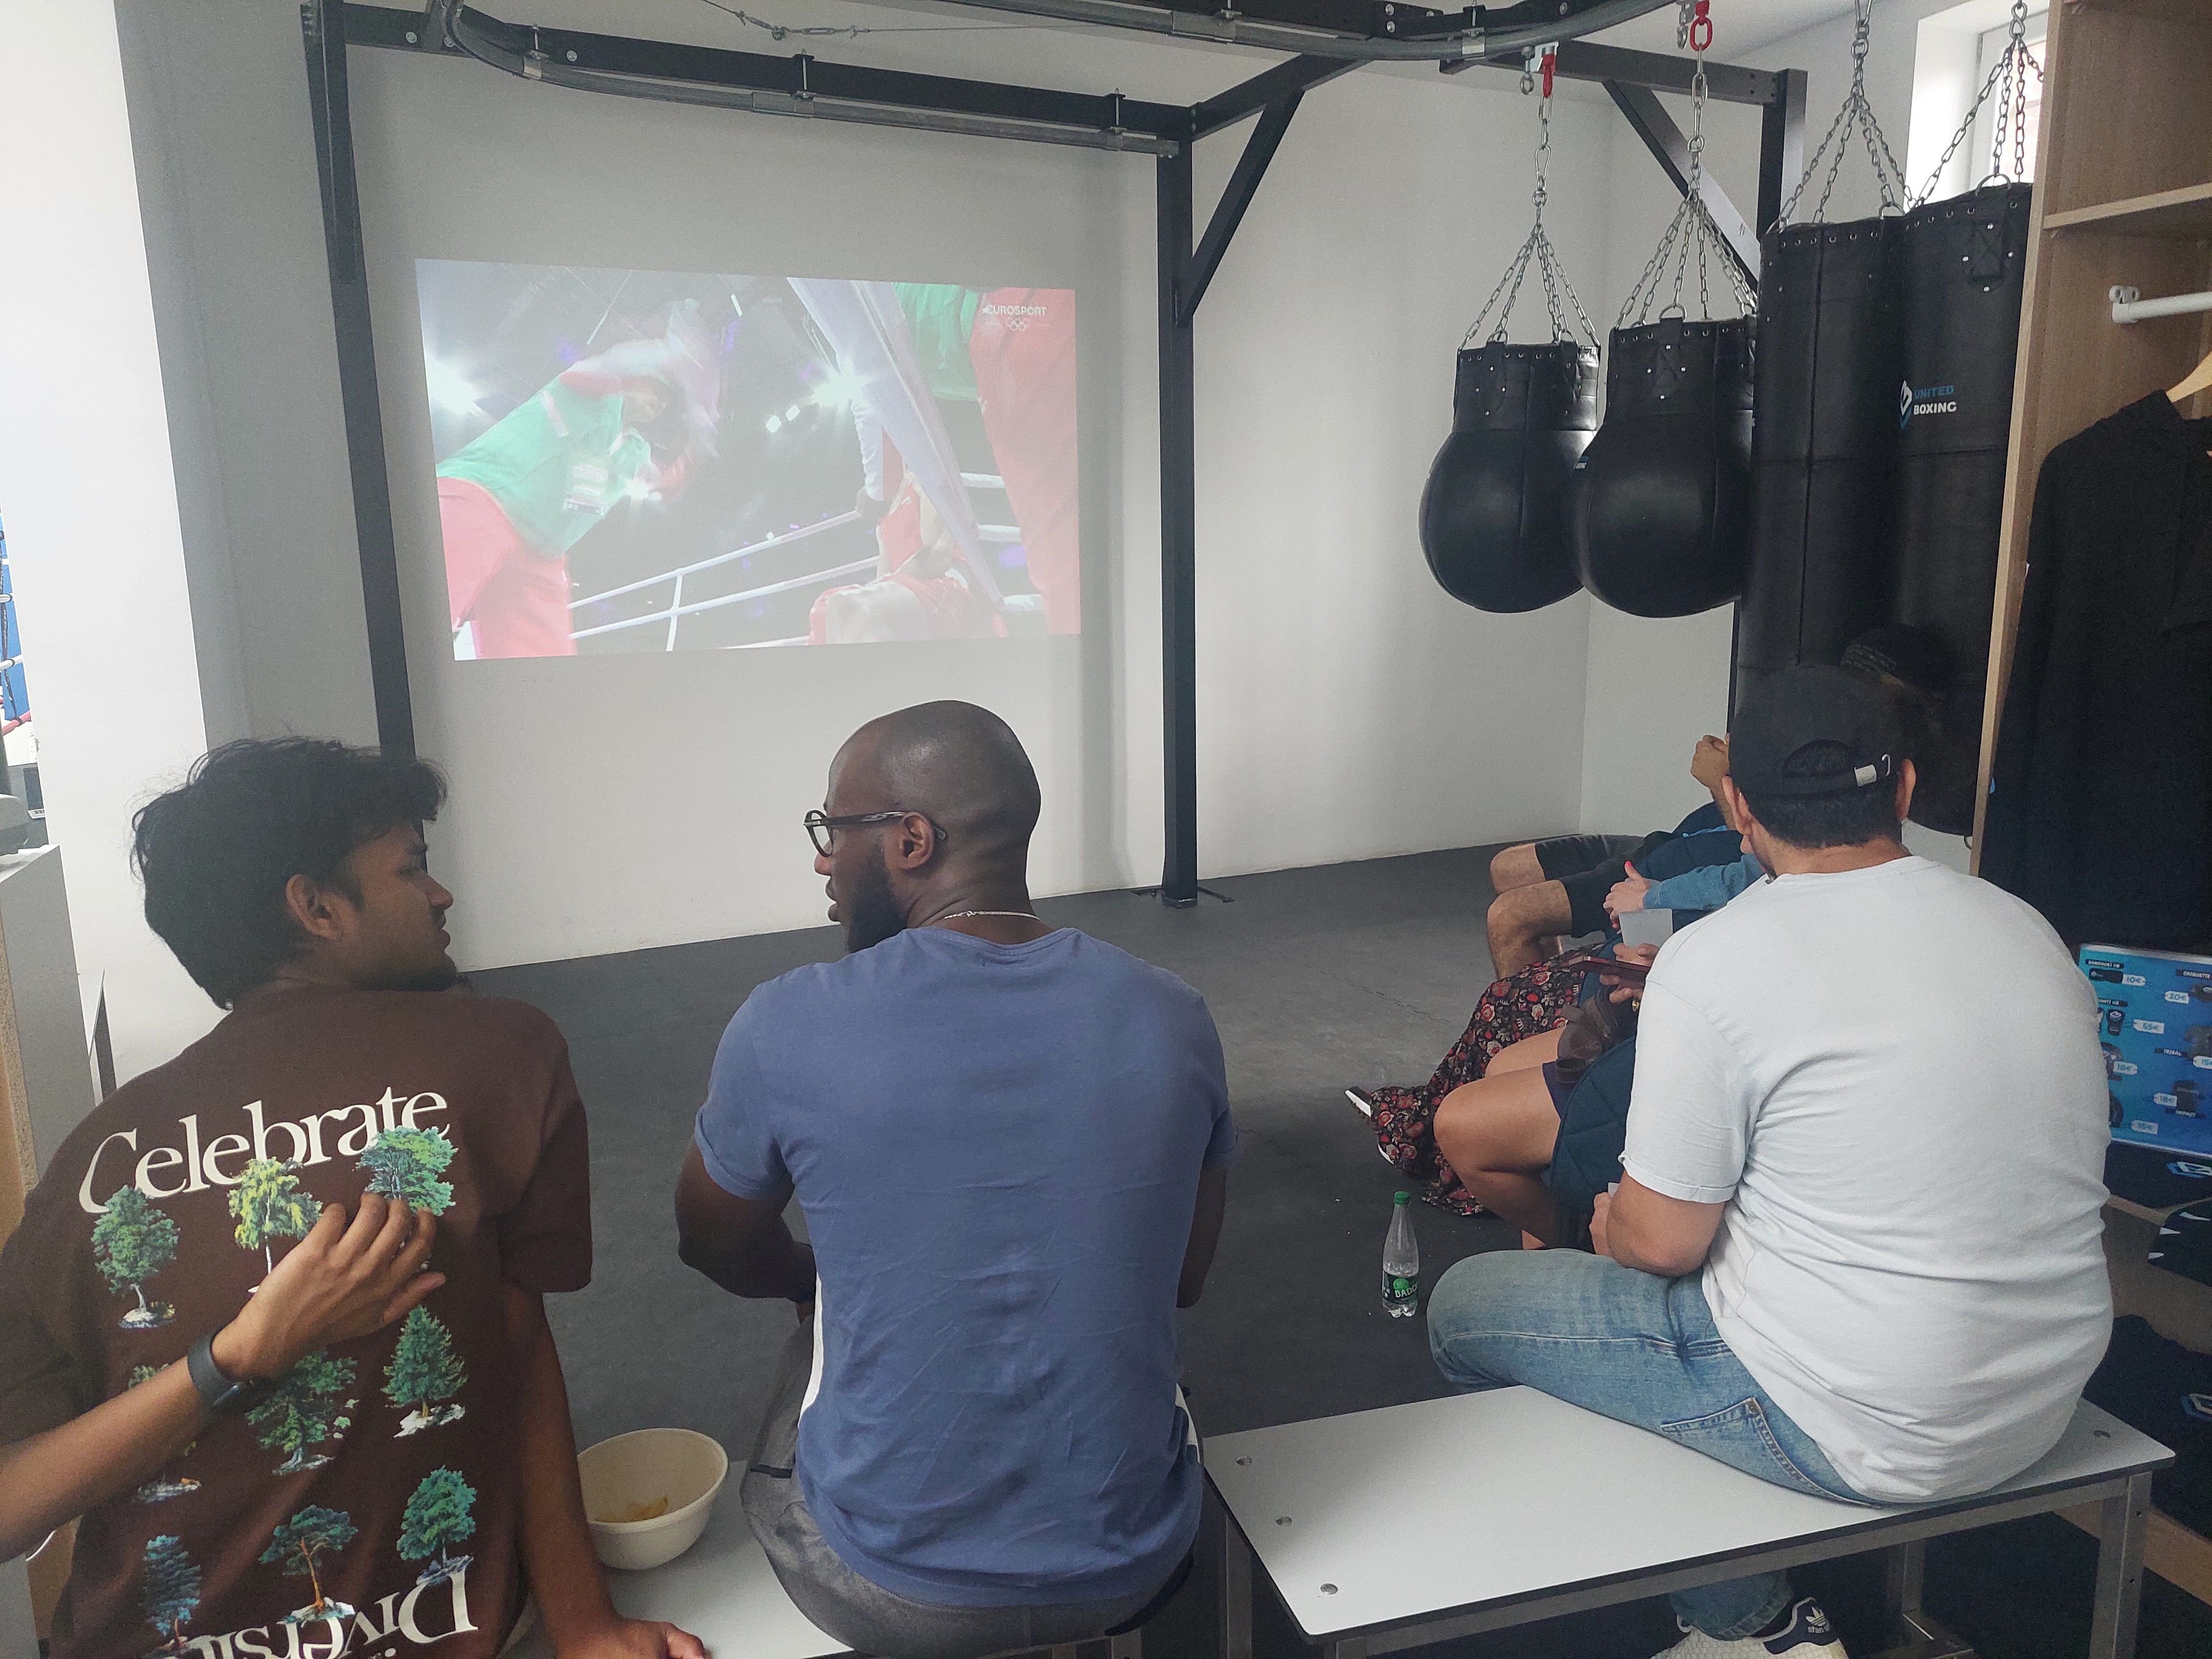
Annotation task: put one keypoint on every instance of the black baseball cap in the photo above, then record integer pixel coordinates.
(1799, 706)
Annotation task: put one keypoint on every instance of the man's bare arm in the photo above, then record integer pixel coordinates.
(1204, 1233)
(741, 1244)
(1654, 1233)
(341, 1281)
(557, 1557)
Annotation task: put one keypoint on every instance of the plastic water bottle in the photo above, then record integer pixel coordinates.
(1402, 1262)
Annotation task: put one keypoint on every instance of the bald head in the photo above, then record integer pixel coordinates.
(956, 763)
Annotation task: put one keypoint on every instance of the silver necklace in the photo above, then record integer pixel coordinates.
(967, 915)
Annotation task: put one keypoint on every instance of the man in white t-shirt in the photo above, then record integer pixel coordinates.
(1857, 1248)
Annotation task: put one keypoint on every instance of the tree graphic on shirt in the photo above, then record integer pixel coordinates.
(424, 1371)
(171, 1589)
(161, 1488)
(270, 1204)
(131, 1242)
(302, 1409)
(439, 1514)
(405, 1164)
(299, 1544)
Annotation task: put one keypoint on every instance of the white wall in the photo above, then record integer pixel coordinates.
(1347, 706)
(90, 499)
(241, 301)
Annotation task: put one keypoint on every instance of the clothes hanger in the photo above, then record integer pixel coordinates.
(2199, 380)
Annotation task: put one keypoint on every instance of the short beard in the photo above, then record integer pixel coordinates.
(443, 976)
(870, 915)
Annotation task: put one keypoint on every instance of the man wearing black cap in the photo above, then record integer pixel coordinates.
(1856, 1250)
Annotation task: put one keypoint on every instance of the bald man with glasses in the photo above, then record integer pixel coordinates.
(1011, 1142)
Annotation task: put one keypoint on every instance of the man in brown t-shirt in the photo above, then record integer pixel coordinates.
(272, 1324)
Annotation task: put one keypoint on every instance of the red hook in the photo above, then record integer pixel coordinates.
(1701, 26)
(1551, 63)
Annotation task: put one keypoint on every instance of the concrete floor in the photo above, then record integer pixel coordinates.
(1357, 973)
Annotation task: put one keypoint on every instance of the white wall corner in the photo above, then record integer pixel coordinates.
(88, 489)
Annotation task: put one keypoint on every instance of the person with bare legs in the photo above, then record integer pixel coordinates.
(1500, 1133)
(1550, 889)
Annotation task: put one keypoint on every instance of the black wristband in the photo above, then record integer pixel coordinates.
(221, 1395)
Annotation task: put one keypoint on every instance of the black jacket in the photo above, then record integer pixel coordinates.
(2100, 798)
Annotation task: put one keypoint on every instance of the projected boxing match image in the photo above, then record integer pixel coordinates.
(639, 460)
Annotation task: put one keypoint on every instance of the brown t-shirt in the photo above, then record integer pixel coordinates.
(369, 1507)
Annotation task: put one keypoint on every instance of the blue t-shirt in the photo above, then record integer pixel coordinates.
(997, 1148)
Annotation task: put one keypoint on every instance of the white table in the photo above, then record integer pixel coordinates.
(721, 1589)
(1389, 1529)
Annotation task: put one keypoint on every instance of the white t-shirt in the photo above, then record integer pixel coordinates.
(1893, 1074)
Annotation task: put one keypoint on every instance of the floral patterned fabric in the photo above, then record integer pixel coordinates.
(1527, 1004)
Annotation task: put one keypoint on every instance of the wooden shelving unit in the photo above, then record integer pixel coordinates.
(2123, 197)
(2186, 213)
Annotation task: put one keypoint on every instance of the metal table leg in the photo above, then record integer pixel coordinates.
(1232, 1558)
(1915, 1635)
(2120, 1571)
(1907, 1570)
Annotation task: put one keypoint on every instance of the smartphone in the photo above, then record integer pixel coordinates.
(1629, 973)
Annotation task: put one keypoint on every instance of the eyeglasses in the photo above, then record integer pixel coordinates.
(820, 827)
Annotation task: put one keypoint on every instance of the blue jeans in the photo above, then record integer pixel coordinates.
(1640, 1350)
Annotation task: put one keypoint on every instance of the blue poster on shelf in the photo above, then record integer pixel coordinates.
(2154, 1020)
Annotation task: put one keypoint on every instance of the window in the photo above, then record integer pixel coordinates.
(1958, 50)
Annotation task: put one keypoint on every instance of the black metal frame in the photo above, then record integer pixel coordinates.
(803, 85)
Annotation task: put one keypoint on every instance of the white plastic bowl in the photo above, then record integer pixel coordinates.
(642, 1468)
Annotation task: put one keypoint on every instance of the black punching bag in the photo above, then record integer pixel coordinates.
(1965, 264)
(1824, 445)
(1662, 498)
(1493, 516)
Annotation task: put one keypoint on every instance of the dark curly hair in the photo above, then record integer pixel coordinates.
(215, 854)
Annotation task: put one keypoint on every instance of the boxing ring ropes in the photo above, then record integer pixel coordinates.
(992, 534)
(1326, 39)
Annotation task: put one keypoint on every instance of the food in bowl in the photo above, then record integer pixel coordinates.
(628, 1514)
(649, 1494)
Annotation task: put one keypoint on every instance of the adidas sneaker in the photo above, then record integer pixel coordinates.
(1808, 1635)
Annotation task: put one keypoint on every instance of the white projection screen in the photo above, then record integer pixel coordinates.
(649, 460)
(822, 385)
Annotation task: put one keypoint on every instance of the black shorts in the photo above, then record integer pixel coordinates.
(1589, 867)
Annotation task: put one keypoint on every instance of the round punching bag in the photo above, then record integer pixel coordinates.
(1661, 505)
(1493, 515)
(1965, 265)
(1824, 445)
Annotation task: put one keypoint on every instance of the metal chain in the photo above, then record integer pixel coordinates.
(1856, 116)
(1692, 227)
(2008, 79)
(1536, 248)
(1695, 190)
(1683, 15)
